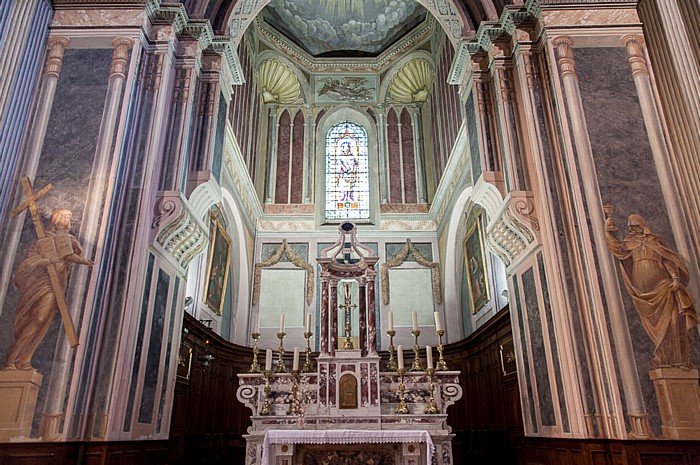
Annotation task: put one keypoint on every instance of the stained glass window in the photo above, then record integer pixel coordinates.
(347, 172)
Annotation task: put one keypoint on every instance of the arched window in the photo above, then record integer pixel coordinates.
(347, 172)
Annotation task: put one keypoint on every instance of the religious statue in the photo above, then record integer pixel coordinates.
(656, 278)
(52, 254)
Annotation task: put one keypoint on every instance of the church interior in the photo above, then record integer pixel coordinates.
(399, 232)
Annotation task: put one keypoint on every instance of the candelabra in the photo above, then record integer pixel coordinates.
(307, 362)
(266, 409)
(255, 367)
(432, 406)
(294, 403)
(402, 408)
(441, 365)
(391, 366)
(416, 366)
(281, 367)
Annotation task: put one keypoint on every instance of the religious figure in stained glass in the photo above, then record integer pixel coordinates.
(347, 178)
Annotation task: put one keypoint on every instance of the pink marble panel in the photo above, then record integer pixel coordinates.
(364, 384)
(324, 316)
(334, 319)
(323, 384)
(283, 140)
(363, 318)
(297, 159)
(347, 367)
(374, 384)
(394, 156)
(409, 158)
(372, 317)
(332, 384)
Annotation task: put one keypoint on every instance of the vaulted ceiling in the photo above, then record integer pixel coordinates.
(344, 27)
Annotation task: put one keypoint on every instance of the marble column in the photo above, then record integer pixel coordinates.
(363, 316)
(271, 161)
(620, 331)
(640, 73)
(52, 72)
(333, 339)
(324, 314)
(371, 315)
(416, 121)
(510, 168)
(383, 156)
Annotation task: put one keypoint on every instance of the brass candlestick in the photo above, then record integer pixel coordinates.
(281, 367)
(441, 365)
(402, 408)
(307, 363)
(432, 407)
(416, 366)
(294, 403)
(391, 366)
(255, 367)
(266, 409)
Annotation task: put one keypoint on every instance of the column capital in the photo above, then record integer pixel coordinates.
(565, 51)
(57, 47)
(121, 45)
(635, 50)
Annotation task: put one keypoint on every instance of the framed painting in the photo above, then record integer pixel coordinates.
(475, 263)
(217, 274)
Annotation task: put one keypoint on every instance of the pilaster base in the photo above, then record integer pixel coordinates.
(18, 395)
(678, 395)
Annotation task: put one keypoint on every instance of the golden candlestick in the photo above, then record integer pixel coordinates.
(281, 367)
(266, 409)
(432, 407)
(391, 366)
(441, 365)
(294, 403)
(307, 362)
(255, 366)
(416, 366)
(402, 407)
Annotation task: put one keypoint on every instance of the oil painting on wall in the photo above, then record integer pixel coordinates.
(217, 275)
(475, 263)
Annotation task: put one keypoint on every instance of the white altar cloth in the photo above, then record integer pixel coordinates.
(344, 436)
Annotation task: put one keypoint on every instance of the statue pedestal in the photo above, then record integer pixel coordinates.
(678, 395)
(18, 395)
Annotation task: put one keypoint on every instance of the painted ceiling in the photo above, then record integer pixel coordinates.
(336, 28)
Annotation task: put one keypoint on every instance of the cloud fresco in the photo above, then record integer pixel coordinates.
(369, 28)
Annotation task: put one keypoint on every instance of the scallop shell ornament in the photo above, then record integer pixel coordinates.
(277, 83)
(412, 82)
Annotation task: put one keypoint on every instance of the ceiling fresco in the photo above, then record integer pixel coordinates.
(334, 28)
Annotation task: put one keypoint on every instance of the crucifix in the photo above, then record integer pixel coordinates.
(347, 306)
(51, 249)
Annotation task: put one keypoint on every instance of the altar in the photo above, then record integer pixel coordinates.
(371, 410)
(415, 447)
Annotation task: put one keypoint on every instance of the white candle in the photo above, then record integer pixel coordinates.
(390, 316)
(257, 326)
(415, 321)
(308, 322)
(399, 354)
(438, 322)
(281, 323)
(268, 359)
(295, 360)
(429, 356)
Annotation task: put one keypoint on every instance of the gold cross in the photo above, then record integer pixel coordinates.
(58, 291)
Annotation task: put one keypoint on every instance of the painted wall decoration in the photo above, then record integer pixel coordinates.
(333, 89)
(217, 275)
(475, 263)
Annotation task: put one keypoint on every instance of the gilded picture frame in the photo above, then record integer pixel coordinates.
(475, 266)
(218, 270)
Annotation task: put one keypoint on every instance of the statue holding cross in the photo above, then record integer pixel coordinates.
(41, 279)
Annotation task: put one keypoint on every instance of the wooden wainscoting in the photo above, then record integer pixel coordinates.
(85, 453)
